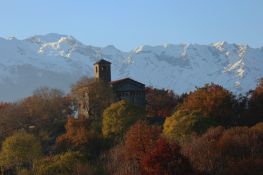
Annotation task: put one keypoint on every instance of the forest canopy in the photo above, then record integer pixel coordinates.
(208, 131)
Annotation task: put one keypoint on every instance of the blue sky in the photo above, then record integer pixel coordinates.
(130, 23)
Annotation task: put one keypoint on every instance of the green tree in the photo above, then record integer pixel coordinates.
(20, 150)
(181, 125)
(119, 117)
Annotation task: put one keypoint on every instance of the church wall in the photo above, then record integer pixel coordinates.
(130, 91)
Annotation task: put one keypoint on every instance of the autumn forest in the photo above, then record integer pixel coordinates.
(209, 131)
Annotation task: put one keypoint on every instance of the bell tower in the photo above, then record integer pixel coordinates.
(102, 71)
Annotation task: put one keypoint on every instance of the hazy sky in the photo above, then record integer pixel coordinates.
(130, 23)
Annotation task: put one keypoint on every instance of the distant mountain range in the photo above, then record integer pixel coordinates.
(58, 61)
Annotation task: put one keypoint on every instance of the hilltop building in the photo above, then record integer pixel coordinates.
(124, 89)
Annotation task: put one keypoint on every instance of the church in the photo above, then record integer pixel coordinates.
(123, 89)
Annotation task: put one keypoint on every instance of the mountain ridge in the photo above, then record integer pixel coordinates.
(59, 61)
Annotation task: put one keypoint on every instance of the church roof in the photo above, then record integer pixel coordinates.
(102, 61)
(124, 80)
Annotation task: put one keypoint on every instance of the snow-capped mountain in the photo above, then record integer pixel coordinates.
(58, 61)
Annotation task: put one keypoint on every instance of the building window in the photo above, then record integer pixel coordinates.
(96, 69)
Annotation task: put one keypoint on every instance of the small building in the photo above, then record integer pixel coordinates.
(124, 89)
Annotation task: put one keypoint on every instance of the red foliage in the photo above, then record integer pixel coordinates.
(4, 105)
(166, 159)
(140, 140)
(145, 153)
(160, 102)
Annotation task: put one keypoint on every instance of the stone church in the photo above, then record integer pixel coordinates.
(124, 89)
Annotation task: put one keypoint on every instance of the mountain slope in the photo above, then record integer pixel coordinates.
(58, 61)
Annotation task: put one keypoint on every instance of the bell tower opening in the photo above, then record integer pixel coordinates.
(102, 71)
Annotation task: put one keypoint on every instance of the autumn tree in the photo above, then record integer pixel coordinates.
(76, 132)
(46, 105)
(80, 135)
(181, 125)
(166, 159)
(140, 139)
(221, 151)
(255, 112)
(203, 152)
(61, 164)
(160, 102)
(12, 118)
(42, 113)
(20, 150)
(126, 158)
(145, 152)
(118, 117)
(213, 101)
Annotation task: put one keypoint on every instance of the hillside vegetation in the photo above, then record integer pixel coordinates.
(209, 131)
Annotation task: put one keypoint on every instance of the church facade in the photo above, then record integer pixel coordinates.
(123, 89)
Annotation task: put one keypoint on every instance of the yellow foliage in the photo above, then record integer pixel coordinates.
(181, 125)
(119, 116)
(20, 148)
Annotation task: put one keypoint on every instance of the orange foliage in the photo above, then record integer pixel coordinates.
(81, 135)
(212, 100)
(140, 140)
(77, 133)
